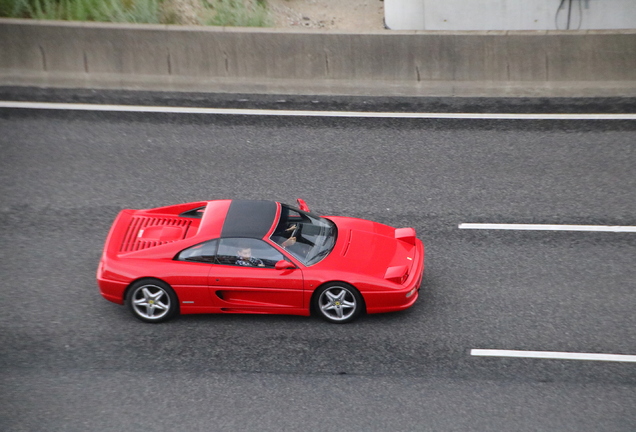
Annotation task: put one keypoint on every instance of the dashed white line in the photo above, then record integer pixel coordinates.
(547, 227)
(554, 355)
(301, 113)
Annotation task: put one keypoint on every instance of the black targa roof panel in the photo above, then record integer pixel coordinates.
(246, 218)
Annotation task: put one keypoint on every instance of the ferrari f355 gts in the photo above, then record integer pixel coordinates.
(265, 257)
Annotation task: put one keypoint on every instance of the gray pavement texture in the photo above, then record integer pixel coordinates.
(71, 361)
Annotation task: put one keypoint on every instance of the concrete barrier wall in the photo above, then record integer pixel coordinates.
(96, 51)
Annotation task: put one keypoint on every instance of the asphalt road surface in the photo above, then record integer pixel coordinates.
(71, 361)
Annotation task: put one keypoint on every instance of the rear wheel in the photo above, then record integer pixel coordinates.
(152, 301)
(338, 302)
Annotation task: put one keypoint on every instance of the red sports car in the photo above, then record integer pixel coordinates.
(241, 256)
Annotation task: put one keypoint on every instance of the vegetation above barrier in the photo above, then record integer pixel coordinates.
(244, 13)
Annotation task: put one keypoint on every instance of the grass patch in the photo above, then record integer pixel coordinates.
(133, 11)
(240, 13)
(244, 13)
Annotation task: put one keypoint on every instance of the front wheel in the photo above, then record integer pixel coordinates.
(152, 301)
(338, 302)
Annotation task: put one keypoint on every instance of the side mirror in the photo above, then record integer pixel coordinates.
(302, 205)
(284, 265)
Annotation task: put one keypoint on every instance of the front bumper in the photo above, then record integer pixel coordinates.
(403, 297)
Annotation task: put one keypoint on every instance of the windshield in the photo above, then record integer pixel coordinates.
(307, 237)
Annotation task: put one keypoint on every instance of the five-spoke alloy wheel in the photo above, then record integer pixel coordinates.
(152, 301)
(338, 302)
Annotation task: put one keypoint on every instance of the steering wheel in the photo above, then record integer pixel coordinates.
(295, 231)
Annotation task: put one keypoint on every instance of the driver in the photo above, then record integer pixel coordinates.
(246, 259)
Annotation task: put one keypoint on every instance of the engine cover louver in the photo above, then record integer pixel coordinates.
(145, 232)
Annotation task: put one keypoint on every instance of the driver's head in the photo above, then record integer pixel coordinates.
(244, 252)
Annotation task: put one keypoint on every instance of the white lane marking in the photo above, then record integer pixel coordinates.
(554, 355)
(263, 112)
(546, 227)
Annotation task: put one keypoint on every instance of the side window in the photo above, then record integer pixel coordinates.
(203, 252)
(247, 252)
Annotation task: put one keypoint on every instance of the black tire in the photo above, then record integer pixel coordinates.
(152, 301)
(338, 302)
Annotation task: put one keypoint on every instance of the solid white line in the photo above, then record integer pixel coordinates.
(263, 112)
(554, 355)
(546, 227)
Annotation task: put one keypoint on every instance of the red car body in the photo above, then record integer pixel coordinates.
(383, 264)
